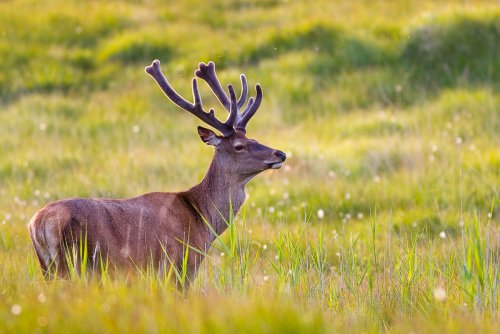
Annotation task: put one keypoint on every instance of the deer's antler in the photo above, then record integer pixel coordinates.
(227, 128)
(235, 120)
(207, 73)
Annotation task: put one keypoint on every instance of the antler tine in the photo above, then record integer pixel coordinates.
(244, 91)
(234, 107)
(196, 96)
(249, 105)
(196, 109)
(250, 110)
(207, 73)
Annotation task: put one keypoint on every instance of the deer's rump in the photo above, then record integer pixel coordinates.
(130, 232)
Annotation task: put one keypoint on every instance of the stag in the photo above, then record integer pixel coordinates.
(157, 229)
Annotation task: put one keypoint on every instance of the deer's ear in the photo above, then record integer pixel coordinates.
(208, 136)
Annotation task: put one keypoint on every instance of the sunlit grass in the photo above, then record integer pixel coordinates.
(383, 218)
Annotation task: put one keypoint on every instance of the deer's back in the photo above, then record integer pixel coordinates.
(124, 230)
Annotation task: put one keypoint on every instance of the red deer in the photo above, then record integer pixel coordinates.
(154, 229)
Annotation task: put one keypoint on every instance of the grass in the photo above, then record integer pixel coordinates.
(384, 218)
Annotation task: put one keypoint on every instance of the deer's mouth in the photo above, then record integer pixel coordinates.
(275, 165)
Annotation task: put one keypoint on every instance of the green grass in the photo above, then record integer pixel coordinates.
(389, 113)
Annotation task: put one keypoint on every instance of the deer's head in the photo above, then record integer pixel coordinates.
(236, 153)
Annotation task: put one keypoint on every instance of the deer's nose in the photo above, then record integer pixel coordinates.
(280, 155)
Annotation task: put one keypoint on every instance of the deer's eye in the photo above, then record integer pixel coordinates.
(239, 147)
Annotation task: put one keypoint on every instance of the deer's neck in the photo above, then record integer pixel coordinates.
(219, 193)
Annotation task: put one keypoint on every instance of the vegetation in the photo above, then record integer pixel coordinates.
(385, 217)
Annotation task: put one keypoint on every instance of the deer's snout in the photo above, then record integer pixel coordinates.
(280, 154)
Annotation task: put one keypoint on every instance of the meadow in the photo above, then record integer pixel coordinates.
(384, 218)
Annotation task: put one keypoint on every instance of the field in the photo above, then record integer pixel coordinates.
(385, 217)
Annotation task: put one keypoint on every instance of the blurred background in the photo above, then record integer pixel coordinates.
(378, 103)
(388, 110)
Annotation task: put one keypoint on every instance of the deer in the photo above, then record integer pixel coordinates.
(156, 229)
